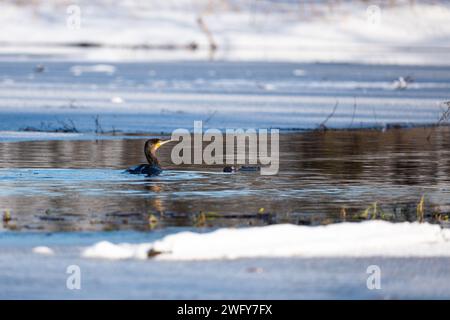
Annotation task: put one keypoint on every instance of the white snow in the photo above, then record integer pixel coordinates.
(43, 251)
(248, 30)
(98, 68)
(117, 100)
(299, 72)
(365, 239)
(108, 250)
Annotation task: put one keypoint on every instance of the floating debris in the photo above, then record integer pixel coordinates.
(39, 68)
(229, 169)
(255, 270)
(232, 169)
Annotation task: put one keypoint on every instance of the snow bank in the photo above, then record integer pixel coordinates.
(108, 250)
(371, 238)
(247, 30)
(46, 251)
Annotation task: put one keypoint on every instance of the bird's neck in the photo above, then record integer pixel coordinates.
(151, 158)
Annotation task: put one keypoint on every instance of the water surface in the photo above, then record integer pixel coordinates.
(325, 177)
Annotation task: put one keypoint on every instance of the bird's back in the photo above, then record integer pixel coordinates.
(145, 169)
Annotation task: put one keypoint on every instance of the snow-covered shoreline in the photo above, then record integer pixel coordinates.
(42, 259)
(242, 31)
(365, 239)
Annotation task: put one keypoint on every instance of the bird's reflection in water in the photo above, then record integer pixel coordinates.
(157, 201)
(81, 185)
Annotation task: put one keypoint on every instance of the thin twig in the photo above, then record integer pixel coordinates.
(444, 117)
(322, 125)
(98, 126)
(209, 36)
(354, 112)
(212, 114)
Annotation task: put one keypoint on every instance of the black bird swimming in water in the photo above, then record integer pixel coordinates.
(152, 168)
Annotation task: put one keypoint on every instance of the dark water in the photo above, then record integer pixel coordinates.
(324, 177)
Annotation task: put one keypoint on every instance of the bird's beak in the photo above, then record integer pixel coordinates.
(163, 142)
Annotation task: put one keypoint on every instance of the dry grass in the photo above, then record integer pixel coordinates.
(420, 210)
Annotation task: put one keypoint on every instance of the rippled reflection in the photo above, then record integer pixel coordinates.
(324, 177)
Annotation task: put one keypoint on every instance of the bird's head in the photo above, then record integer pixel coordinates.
(152, 145)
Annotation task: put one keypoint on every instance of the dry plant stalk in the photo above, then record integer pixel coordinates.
(420, 210)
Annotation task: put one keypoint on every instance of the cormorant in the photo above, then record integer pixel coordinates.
(152, 168)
